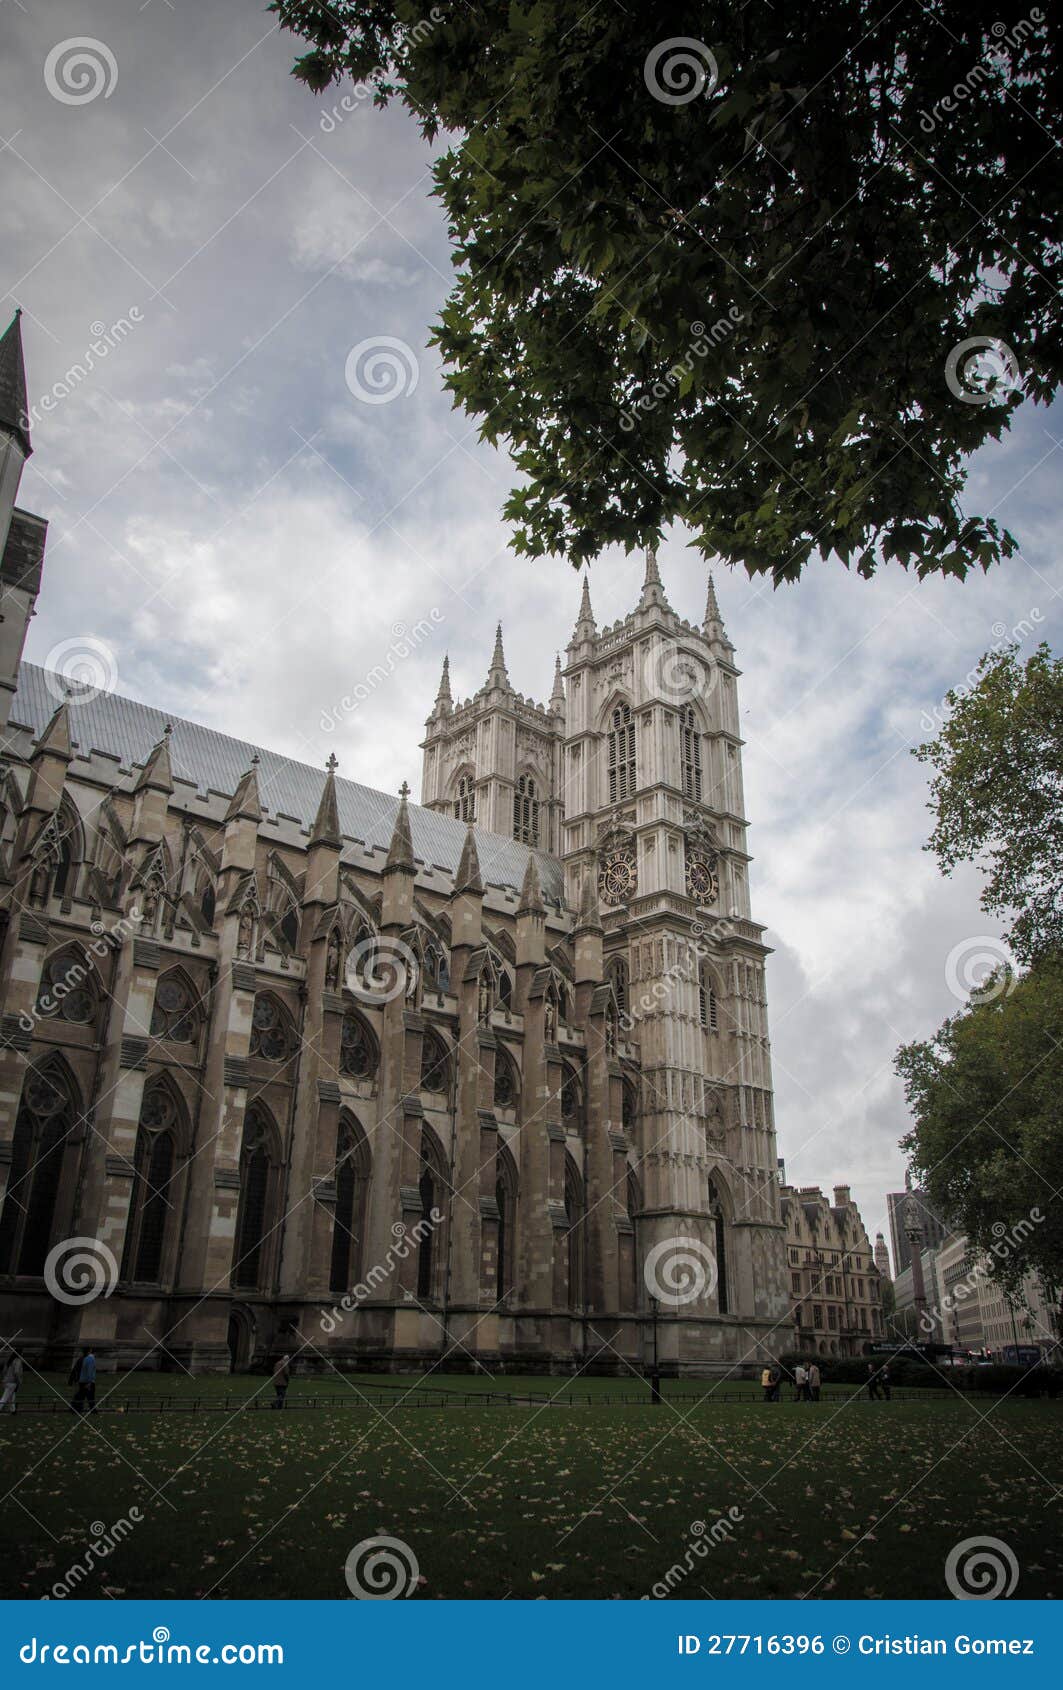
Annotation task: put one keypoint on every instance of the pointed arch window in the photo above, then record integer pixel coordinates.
(174, 1015)
(257, 1183)
(152, 1203)
(271, 1030)
(506, 1199)
(38, 1152)
(435, 1064)
(352, 1191)
(507, 1088)
(720, 1243)
(618, 976)
(207, 900)
(574, 1216)
(526, 812)
(708, 1009)
(690, 752)
(431, 1188)
(67, 990)
(358, 1052)
(465, 802)
(621, 754)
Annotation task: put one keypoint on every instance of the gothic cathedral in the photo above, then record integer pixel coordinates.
(288, 1064)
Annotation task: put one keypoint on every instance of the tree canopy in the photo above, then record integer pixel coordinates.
(770, 272)
(986, 1095)
(997, 793)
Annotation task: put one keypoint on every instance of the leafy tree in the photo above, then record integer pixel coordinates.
(720, 263)
(986, 1095)
(997, 793)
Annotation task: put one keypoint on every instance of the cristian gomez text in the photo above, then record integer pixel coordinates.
(815, 1643)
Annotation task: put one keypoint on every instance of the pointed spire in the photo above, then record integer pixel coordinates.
(14, 410)
(400, 851)
(531, 893)
(557, 697)
(496, 675)
(157, 773)
(653, 594)
(55, 740)
(712, 608)
(444, 702)
(586, 628)
(326, 828)
(245, 804)
(468, 878)
(589, 917)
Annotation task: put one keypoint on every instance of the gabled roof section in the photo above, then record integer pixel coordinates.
(212, 762)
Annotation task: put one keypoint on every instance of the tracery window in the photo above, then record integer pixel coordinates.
(357, 1048)
(690, 752)
(505, 1082)
(621, 754)
(151, 1202)
(66, 990)
(434, 1063)
(707, 1007)
(506, 1199)
(45, 1120)
(271, 1034)
(352, 1190)
(174, 1015)
(465, 802)
(618, 975)
(256, 1200)
(526, 812)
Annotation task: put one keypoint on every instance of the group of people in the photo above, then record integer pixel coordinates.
(806, 1383)
(878, 1382)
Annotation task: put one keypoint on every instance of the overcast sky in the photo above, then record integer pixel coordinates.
(246, 535)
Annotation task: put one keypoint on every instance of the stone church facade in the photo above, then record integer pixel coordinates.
(287, 1064)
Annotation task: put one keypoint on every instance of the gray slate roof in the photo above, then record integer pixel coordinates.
(213, 762)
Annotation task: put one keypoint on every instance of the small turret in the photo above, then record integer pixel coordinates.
(653, 594)
(557, 697)
(497, 675)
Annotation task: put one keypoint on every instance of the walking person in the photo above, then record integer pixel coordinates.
(873, 1390)
(86, 1383)
(282, 1374)
(884, 1380)
(800, 1382)
(11, 1380)
(813, 1382)
(776, 1384)
(765, 1383)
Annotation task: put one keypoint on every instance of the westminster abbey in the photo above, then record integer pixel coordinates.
(291, 1065)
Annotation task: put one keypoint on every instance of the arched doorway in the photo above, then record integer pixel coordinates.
(241, 1338)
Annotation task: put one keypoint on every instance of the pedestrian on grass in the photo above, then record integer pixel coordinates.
(884, 1380)
(282, 1374)
(800, 1382)
(86, 1383)
(873, 1388)
(813, 1382)
(765, 1383)
(11, 1380)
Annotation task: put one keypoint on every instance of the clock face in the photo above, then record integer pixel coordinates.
(703, 881)
(617, 879)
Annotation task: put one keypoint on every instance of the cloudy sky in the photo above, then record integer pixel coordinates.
(249, 538)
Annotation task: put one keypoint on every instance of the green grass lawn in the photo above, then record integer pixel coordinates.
(836, 1499)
